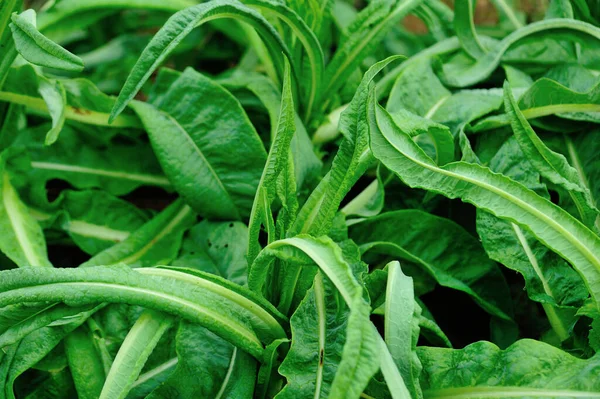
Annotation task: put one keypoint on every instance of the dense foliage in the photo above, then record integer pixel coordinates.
(298, 199)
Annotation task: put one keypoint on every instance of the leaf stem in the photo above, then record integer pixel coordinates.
(38, 106)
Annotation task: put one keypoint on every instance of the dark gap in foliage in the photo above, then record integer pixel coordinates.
(126, 140)
(154, 198)
(458, 316)
(554, 197)
(458, 211)
(529, 315)
(357, 189)
(65, 255)
(54, 187)
(218, 54)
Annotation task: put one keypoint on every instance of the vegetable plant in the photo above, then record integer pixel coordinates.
(299, 199)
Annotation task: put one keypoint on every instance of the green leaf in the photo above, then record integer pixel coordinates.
(318, 335)
(508, 14)
(14, 121)
(214, 369)
(63, 10)
(215, 173)
(34, 347)
(267, 378)
(7, 8)
(365, 32)
(83, 163)
(402, 315)
(96, 220)
(156, 242)
(85, 364)
(464, 26)
(55, 386)
(564, 103)
(548, 278)
(434, 138)
(37, 48)
(369, 202)
(361, 355)
(528, 368)
(48, 316)
(351, 161)
(23, 240)
(225, 312)
(467, 75)
(582, 152)
(559, 9)
(277, 165)
(135, 350)
(216, 247)
(179, 26)
(306, 163)
(441, 248)
(551, 165)
(419, 90)
(322, 250)
(83, 103)
(330, 259)
(48, 95)
(494, 193)
(310, 45)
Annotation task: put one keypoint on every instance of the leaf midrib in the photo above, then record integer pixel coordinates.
(505, 392)
(137, 177)
(212, 171)
(322, 324)
(181, 215)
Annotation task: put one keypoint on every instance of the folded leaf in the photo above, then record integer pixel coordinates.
(276, 166)
(464, 25)
(37, 48)
(201, 301)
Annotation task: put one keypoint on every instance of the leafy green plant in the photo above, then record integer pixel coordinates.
(298, 199)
